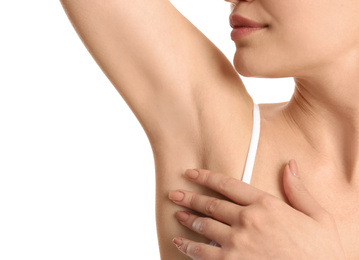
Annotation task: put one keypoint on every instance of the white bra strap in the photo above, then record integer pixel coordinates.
(253, 145)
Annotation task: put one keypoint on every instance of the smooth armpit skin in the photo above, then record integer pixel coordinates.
(185, 93)
(157, 60)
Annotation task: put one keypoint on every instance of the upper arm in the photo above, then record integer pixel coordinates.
(163, 66)
(182, 89)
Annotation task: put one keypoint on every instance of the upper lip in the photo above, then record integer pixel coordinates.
(236, 21)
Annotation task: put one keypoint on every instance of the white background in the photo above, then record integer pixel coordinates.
(76, 168)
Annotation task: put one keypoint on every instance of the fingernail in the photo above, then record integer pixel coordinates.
(182, 215)
(178, 242)
(176, 196)
(293, 168)
(192, 173)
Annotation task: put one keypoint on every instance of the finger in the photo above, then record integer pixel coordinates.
(297, 194)
(209, 228)
(197, 251)
(236, 190)
(221, 210)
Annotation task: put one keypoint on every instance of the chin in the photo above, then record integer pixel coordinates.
(247, 65)
(251, 71)
(245, 71)
(258, 68)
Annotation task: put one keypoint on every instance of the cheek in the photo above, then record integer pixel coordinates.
(318, 31)
(312, 45)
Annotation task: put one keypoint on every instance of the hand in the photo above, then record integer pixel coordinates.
(256, 225)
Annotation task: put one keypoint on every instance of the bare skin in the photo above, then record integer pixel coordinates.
(197, 113)
(244, 225)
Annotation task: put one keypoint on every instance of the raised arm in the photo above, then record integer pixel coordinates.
(182, 89)
(153, 55)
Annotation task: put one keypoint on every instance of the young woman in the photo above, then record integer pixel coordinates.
(197, 113)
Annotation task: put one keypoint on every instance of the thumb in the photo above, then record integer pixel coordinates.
(297, 194)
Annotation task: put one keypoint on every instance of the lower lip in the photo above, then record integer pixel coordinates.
(240, 32)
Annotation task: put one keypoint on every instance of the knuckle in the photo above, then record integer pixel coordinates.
(251, 218)
(194, 250)
(200, 225)
(191, 200)
(204, 174)
(245, 217)
(206, 178)
(211, 206)
(184, 247)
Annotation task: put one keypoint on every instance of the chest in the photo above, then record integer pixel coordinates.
(224, 150)
(340, 200)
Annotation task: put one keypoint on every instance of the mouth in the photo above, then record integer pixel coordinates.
(240, 32)
(237, 21)
(243, 26)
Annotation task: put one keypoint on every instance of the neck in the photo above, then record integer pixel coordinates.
(325, 110)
